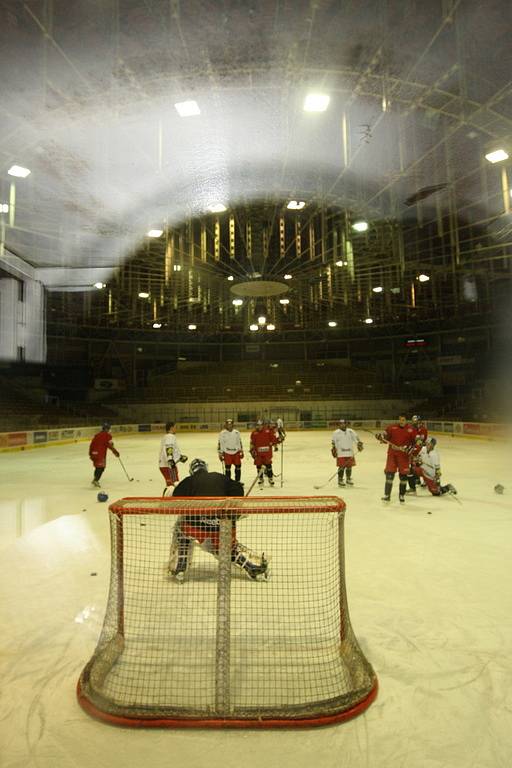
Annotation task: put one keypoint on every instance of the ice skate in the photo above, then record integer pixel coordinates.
(386, 498)
(411, 492)
(452, 489)
(256, 572)
(96, 483)
(350, 482)
(271, 481)
(401, 498)
(341, 483)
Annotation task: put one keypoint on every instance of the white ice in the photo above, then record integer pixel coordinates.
(430, 598)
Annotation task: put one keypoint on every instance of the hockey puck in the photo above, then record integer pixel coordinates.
(94, 573)
(429, 513)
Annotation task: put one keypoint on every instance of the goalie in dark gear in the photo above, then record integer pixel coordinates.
(204, 530)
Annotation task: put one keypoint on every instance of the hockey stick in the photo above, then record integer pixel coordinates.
(124, 468)
(282, 455)
(317, 487)
(258, 477)
(454, 497)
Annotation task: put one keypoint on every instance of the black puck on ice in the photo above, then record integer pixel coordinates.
(429, 513)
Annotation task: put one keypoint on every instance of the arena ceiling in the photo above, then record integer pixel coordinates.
(418, 93)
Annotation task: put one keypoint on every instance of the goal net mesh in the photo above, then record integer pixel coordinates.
(227, 612)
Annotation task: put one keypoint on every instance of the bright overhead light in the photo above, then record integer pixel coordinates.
(4, 208)
(284, 301)
(176, 267)
(339, 263)
(217, 208)
(316, 102)
(360, 226)
(155, 232)
(271, 327)
(496, 156)
(192, 327)
(157, 325)
(368, 321)
(287, 276)
(296, 205)
(237, 302)
(143, 295)
(18, 170)
(262, 320)
(230, 278)
(187, 108)
(378, 289)
(332, 323)
(423, 278)
(253, 327)
(99, 286)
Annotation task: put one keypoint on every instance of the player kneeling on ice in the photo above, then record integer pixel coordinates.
(204, 529)
(344, 439)
(263, 439)
(428, 467)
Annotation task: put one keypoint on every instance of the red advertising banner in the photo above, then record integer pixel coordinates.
(17, 438)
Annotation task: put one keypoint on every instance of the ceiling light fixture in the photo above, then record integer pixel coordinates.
(262, 320)
(271, 327)
(253, 327)
(284, 301)
(176, 267)
(18, 170)
(157, 325)
(217, 208)
(230, 278)
(378, 289)
(4, 208)
(155, 232)
(237, 302)
(360, 226)
(497, 156)
(339, 263)
(287, 276)
(296, 205)
(192, 327)
(316, 102)
(369, 321)
(187, 108)
(423, 278)
(143, 295)
(332, 323)
(99, 286)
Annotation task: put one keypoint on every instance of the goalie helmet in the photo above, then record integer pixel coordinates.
(197, 465)
(102, 496)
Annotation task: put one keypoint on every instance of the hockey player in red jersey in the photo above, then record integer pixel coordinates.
(98, 447)
(421, 430)
(263, 439)
(400, 439)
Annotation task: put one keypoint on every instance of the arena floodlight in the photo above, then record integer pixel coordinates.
(18, 170)
(287, 276)
(4, 207)
(296, 205)
(316, 102)
(143, 295)
(332, 323)
(237, 302)
(217, 208)
(157, 325)
(368, 320)
(423, 278)
(339, 263)
(187, 108)
(360, 226)
(231, 278)
(496, 156)
(192, 326)
(271, 327)
(155, 232)
(378, 289)
(262, 320)
(253, 327)
(284, 301)
(99, 286)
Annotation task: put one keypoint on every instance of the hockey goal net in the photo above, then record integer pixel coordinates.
(227, 612)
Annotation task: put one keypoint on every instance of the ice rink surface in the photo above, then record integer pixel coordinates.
(430, 598)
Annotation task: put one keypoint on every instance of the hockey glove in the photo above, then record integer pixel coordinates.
(241, 456)
(221, 456)
(183, 458)
(115, 452)
(360, 446)
(253, 452)
(334, 452)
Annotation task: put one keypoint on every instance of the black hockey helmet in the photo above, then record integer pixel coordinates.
(105, 426)
(432, 441)
(197, 465)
